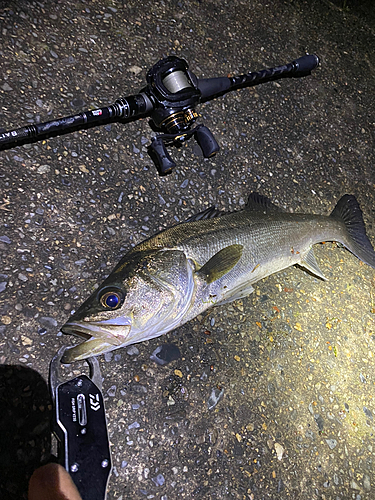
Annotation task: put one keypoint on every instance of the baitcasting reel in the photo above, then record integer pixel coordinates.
(176, 93)
(169, 99)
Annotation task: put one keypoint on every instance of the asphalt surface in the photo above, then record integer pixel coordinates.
(272, 397)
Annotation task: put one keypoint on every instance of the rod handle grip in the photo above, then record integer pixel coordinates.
(305, 64)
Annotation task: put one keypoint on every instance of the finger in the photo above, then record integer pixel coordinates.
(52, 482)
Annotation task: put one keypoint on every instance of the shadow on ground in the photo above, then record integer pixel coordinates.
(25, 435)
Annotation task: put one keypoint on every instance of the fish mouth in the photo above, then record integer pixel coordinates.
(114, 331)
(100, 337)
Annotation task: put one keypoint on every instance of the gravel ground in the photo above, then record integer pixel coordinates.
(272, 397)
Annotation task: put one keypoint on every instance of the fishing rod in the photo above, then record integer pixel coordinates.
(169, 99)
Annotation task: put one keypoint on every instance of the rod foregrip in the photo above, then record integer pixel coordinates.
(130, 107)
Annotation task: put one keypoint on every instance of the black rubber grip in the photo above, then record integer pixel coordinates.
(305, 64)
(212, 86)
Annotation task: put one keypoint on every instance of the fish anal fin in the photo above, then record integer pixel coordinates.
(309, 263)
(221, 263)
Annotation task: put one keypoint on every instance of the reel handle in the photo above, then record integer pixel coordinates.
(206, 141)
(160, 155)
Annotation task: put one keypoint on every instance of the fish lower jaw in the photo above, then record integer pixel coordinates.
(93, 331)
(87, 349)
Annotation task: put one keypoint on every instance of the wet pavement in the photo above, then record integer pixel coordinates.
(272, 397)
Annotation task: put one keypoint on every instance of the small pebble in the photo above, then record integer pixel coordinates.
(80, 262)
(158, 480)
(368, 413)
(354, 485)
(44, 169)
(134, 425)
(319, 421)
(279, 450)
(7, 87)
(77, 103)
(132, 351)
(112, 391)
(135, 70)
(5, 239)
(48, 322)
(215, 397)
(165, 353)
(366, 482)
(6, 320)
(332, 443)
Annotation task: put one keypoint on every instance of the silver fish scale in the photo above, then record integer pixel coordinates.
(270, 244)
(265, 238)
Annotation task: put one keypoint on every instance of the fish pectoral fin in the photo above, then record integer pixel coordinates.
(309, 263)
(88, 348)
(221, 263)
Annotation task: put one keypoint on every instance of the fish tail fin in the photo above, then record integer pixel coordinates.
(348, 211)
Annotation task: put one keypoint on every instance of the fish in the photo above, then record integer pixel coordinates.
(211, 259)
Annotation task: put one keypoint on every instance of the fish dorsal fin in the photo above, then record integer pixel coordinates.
(209, 213)
(221, 263)
(309, 263)
(259, 203)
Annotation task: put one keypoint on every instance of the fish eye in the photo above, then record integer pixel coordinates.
(112, 299)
